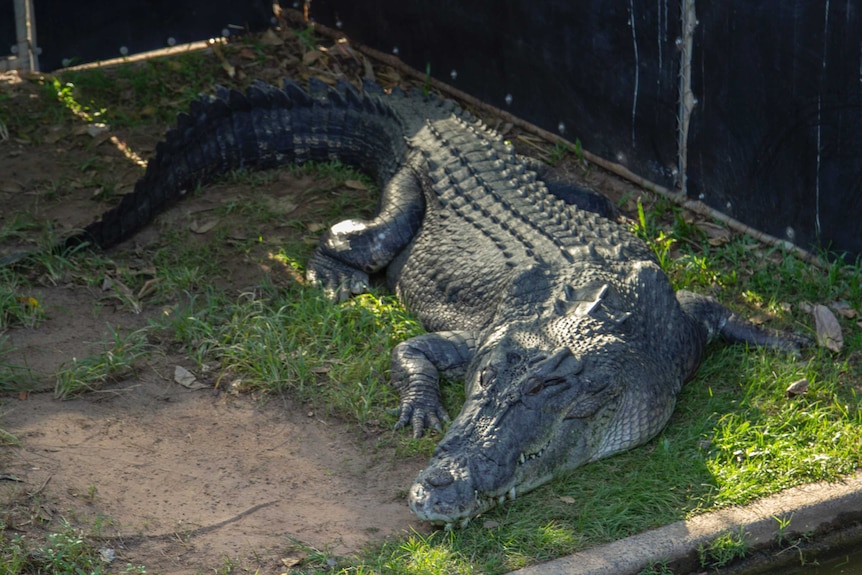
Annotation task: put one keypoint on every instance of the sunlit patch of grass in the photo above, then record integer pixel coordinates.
(724, 549)
(146, 91)
(296, 340)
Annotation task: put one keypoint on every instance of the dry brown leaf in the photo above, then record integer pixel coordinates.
(186, 378)
(270, 38)
(148, 287)
(355, 185)
(294, 558)
(247, 53)
(715, 234)
(828, 329)
(203, 226)
(843, 308)
(567, 499)
(311, 57)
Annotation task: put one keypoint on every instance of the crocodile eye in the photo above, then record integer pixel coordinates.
(537, 388)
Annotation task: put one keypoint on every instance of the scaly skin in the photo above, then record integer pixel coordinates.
(571, 341)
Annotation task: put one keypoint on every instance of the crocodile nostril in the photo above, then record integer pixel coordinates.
(439, 478)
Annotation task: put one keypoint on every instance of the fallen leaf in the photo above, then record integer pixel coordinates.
(567, 499)
(843, 308)
(715, 234)
(311, 57)
(148, 287)
(186, 378)
(315, 227)
(806, 307)
(295, 558)
(490, 524)
(270, 38)
(247, 53)
(280, 205)
(797, 388)
(204, 226)
(828, 329)
(355, 185)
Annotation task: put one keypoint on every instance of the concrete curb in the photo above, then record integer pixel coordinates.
(811, 507)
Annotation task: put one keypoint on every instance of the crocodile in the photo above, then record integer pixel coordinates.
(571, 342)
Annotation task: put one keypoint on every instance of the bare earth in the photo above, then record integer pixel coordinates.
(176, 480)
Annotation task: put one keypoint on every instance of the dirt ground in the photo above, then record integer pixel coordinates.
(175, 480)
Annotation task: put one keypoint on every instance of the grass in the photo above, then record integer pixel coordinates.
(115, 362)
(294, 340)
(734, 436)
(66, 552)
(724, 549)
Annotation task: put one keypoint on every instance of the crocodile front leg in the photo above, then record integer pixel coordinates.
(416, 367)
(352, 249)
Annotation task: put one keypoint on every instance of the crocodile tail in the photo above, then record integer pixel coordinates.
(262, 128)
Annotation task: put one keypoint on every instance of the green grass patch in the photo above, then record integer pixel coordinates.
(66, 552)
(724, 549)
(115, 362)
(153, 90)
(294, 340)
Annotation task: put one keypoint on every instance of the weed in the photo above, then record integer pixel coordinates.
(659, 568)
(17, 307)
(783, 526)
(66, 552)
(115, 362)
(723, 549)
(558, 153)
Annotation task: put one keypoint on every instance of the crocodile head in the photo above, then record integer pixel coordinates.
(535, 406)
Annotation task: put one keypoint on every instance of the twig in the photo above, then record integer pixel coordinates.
(194, 532)
(44, 485)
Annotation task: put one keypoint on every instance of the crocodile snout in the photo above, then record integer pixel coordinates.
(443, 493)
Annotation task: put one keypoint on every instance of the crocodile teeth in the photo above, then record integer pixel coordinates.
(511, 493)
(522, 459)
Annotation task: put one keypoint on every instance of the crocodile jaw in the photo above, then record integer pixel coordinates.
(452, 490)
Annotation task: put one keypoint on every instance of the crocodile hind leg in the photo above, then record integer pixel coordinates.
(352, 249)
(416, 367)
(720, 321)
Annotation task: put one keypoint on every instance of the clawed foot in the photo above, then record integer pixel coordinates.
(338, 281)
(422, 412)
